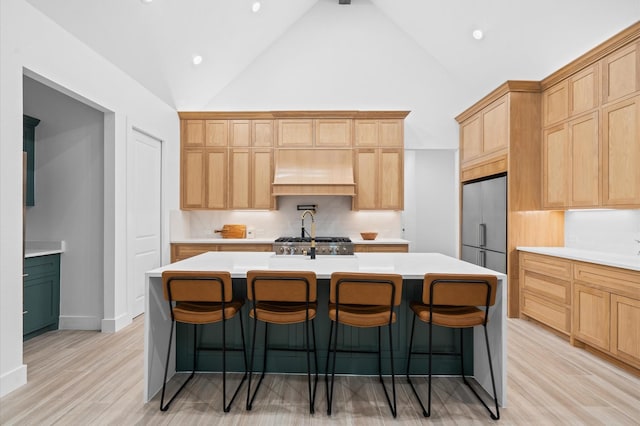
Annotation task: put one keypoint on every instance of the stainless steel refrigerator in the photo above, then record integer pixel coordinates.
(484, 223)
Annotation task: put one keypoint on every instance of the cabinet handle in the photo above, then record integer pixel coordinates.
(25, 312)
(25, 275)
(483, 258)
(482, 234)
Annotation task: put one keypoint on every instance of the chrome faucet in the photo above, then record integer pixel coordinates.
(312, 249)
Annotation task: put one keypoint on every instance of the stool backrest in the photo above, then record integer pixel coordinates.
(360, 288)
(459, 289)
(282, 286)
(197, 286)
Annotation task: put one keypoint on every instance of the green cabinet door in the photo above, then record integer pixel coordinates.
(28, 145)
(41, 298)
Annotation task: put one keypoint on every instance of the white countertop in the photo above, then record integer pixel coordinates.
(271, 240)
(43, 248)
(601, 258)
(409, 265)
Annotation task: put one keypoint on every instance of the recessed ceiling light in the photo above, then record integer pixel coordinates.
(477, 34)
(146, 1)
(255, 6)
(197, 59)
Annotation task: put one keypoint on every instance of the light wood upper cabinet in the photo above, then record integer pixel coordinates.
(571, 166)
(255, 133)
(379, 176)
(621, 73)
(584, 93)
(555, 167)
(228, 159)
(555, 104)
(379, 133)
(486, 135)
(333, 132)
(471, 138)
(621, 153)
(295, 132)
(262, 134)
(216, 133)
(569, 98)
(261, 179)
(250, 178)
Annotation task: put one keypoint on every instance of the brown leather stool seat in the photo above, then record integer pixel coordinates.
(454, 301)
(362, 300)
(283, 298)
(201, 297)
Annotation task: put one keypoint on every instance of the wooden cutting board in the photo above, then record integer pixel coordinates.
(233, 231)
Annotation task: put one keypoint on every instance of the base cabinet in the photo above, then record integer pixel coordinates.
(41, 297)
(595, 305)
(381, 248)
(546, 290)
(181, 251)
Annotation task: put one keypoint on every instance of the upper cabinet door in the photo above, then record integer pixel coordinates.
(333, 132)
(262, 133)
(555, 103)
(621, 73)
(239, 133)
(555, 167)
(295, 132)
(621, 153)
(584, 93)
(471, 135)
(495, 126)
(585, 161)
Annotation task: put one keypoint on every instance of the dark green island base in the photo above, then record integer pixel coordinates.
(292, 336)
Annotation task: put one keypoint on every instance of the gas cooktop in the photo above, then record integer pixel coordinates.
(324, 245)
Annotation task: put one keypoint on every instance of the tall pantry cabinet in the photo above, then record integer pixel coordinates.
(500, 134)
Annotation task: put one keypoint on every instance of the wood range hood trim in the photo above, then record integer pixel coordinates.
(313, 172)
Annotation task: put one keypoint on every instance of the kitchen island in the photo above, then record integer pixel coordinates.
(412, 266)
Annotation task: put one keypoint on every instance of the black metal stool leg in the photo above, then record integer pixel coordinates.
(163, 406)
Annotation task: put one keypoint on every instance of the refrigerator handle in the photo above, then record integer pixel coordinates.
(482, 258)
(482, 234)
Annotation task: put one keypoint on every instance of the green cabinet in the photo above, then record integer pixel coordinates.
(28, 145)
(41, 297)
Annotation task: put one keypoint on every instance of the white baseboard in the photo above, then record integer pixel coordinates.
(72, 322)
(13, 380)
(112, 325)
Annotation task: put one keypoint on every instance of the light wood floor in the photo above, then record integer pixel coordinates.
(82, 378)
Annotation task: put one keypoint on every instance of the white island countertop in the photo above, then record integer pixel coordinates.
(591, 256)
(409, 265)
(270, 240)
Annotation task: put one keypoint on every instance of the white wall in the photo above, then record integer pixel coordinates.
(69, 194)
(611, 231)
(355, 59)
(32, 44)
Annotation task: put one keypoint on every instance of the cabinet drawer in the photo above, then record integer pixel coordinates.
(616, 280)
(554, 289)
(547, 265)
(554, 315)
(381, 248)
(36, 267)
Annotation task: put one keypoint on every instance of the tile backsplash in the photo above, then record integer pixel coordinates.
(613, 231)
(334, 217)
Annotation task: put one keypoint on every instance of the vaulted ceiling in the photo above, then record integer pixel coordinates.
(155, 42)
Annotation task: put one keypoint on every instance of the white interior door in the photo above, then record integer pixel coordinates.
(144, 199)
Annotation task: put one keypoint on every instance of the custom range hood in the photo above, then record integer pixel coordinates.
(313, 172)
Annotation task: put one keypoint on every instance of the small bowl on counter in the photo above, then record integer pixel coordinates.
(368, 235)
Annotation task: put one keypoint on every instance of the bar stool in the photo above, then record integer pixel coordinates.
(283, 297)
(363, 300)
(454, 301)
(197, 297)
